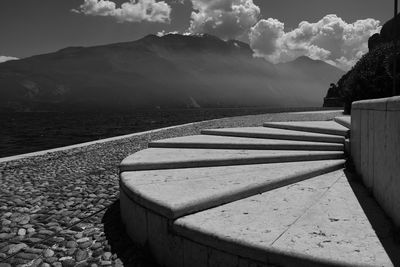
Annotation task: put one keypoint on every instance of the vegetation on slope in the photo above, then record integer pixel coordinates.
(372, 76)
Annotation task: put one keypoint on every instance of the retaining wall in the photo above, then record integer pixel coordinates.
(375, 150)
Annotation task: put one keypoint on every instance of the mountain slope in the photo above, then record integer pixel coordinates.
(372, 76)
(169, 71)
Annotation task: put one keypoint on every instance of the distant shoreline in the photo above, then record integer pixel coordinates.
(29, 132)
(270, 110)
(58, 149)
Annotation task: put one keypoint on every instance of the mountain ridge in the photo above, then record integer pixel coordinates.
(169, 71)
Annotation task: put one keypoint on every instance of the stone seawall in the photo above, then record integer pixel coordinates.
(375, 149)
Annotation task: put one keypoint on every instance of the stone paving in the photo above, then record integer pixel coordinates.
(62, 209)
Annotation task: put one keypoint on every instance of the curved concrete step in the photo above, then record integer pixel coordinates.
(177, 192)
(272, 133)
(238, 200)
(230, 142)
(172, 158)
(324, 127)
(316, 222)
(344, 121)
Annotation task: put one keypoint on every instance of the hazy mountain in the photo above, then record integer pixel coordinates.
(169, 71)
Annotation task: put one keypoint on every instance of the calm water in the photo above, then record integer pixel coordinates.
(28, 132)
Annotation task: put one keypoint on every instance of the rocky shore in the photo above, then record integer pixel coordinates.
(62, 208)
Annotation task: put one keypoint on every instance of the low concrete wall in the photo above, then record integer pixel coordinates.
(156, 232)
(375, 150)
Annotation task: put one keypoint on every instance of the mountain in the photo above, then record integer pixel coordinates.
(372, 76)
(170, 71)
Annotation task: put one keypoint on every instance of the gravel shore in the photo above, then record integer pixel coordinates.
(62, 208)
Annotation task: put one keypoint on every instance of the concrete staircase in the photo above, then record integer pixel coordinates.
(275, 195)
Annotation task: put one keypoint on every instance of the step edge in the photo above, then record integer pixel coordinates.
(343, 122)
(194, 145)
(313, 129)
(175, 212)
(142, 166)
(323, 139)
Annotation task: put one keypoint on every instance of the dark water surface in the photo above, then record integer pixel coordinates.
(33, 131)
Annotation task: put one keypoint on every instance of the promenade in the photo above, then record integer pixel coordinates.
(278, 194)
(61, 208)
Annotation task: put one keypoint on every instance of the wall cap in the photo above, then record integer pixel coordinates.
(388, 103)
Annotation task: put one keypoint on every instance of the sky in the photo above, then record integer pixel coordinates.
(277, 30)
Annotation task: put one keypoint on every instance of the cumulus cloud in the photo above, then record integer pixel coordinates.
(227, 19)
(7, 58)
(331, 39)
(132, 11)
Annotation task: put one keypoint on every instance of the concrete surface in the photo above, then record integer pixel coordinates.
(230, 142)
(324, 127)
(336, 223)
(355, 139)
(213, 203)
(178, 192)
(318, 111)
(375, 145)
(344, 121)
(311, 223)
(168, 158)
(264, 132)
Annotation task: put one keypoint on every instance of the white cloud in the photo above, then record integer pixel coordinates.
(7, 58)
(265, 35)
(227, 19)
(163, 33)
(132, 11)
(331, 39)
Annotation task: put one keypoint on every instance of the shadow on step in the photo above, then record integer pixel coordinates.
(382, 225)
(129, 253)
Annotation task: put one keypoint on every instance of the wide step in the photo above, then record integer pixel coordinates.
(316, 222)
(324, 127)
(172, 158)
(272, 133)
(229, 142)
(177, 192)
(253, 196)
(344, 121)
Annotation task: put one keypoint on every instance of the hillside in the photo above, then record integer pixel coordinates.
(169, 71)
(372, 76)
